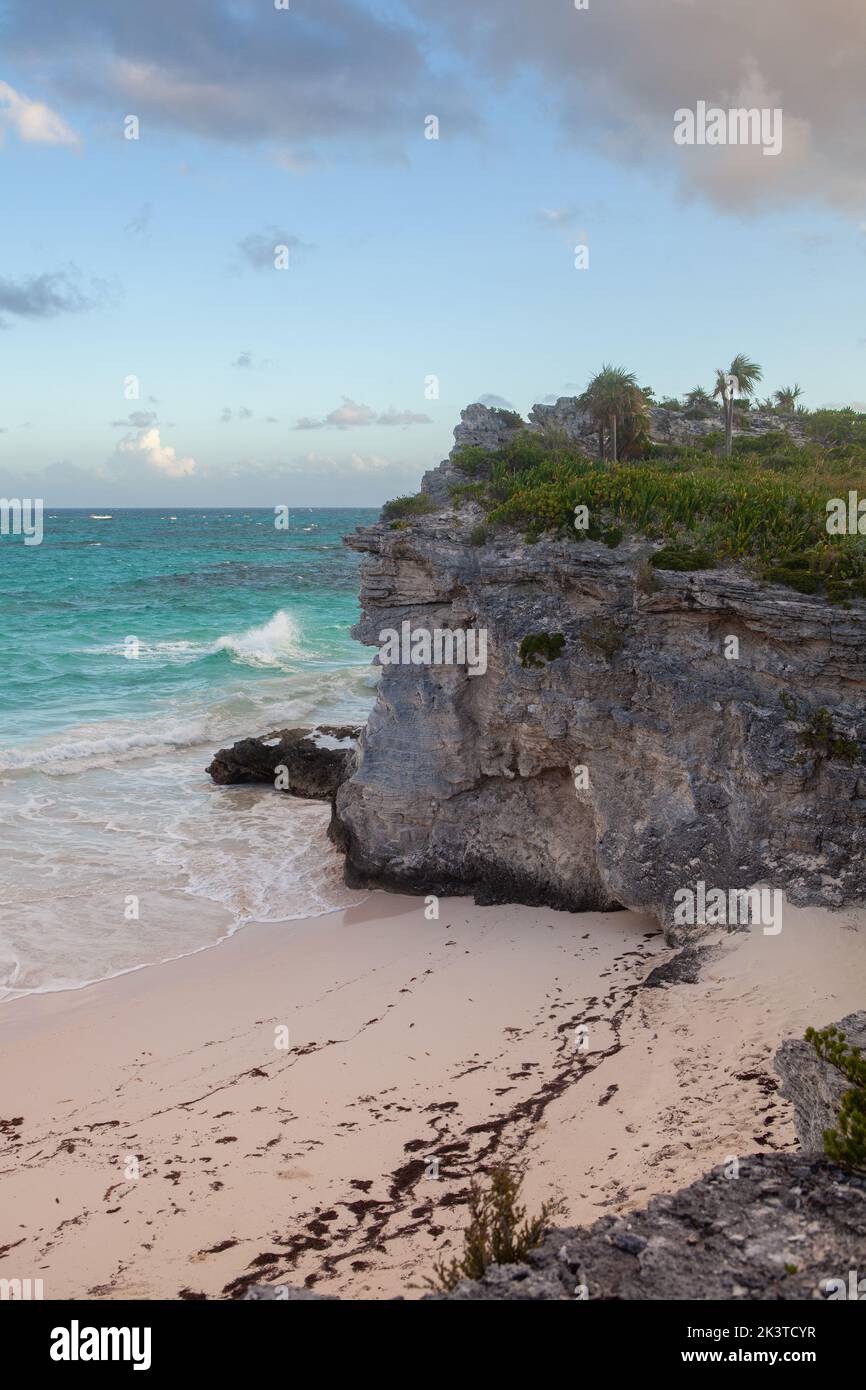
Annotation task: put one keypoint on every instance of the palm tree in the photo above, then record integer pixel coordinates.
(698, 396)
(596, 408)
(787, 398)
(613, 398)
(739, 379)
(698, 401)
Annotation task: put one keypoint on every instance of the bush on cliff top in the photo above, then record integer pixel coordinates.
(401, 507)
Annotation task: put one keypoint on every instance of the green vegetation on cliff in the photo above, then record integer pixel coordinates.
(403, 508)
(766, 505)
(846, 1144)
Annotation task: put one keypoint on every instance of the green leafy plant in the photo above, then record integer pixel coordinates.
(511, 417)
(846, 1144)
(499, 1231)
(540, 647)
(401, 507)
(478, 535)
(765, 506)
(794, 577)
(682, 558)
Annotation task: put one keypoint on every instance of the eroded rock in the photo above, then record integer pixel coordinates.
(315, 761)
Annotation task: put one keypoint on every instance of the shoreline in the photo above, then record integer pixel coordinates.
(14, 997)
(409, 1041)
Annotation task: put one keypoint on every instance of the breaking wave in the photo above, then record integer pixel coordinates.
(274, 644)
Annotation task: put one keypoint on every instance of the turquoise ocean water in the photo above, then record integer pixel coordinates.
(132, 646)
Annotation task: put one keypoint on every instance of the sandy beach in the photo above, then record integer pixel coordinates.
(161, 1140)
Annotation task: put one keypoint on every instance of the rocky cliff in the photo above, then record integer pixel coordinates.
(695, 768)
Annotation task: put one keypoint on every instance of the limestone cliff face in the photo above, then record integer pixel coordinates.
(696, 771)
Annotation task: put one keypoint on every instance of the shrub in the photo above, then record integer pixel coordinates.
(473, 460)
(539, 648)
(682, 558)
(499, 1231)
(512, 418)
(842, 590)
(793, 577)
(478, 535)
(837, 427)
(846, 1144)
(400, 507)
(773, 442)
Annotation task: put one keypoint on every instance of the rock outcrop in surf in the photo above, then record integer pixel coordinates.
(309, 763)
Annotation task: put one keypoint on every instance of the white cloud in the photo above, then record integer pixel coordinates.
(351, 415)
(161, 457)
(33, 121)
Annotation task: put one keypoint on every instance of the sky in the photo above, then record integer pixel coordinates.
(154, 353)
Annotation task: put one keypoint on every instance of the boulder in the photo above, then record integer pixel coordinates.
(316, 761)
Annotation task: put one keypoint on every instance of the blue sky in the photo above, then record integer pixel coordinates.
(409, 257)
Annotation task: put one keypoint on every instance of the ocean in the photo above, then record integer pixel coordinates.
(132, 646)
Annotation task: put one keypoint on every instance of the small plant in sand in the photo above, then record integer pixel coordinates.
(846, 1144)
(499, 1231)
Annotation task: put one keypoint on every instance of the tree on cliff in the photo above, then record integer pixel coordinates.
(615, 402)
(740, 379)
(698, 398)
(788, 396)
